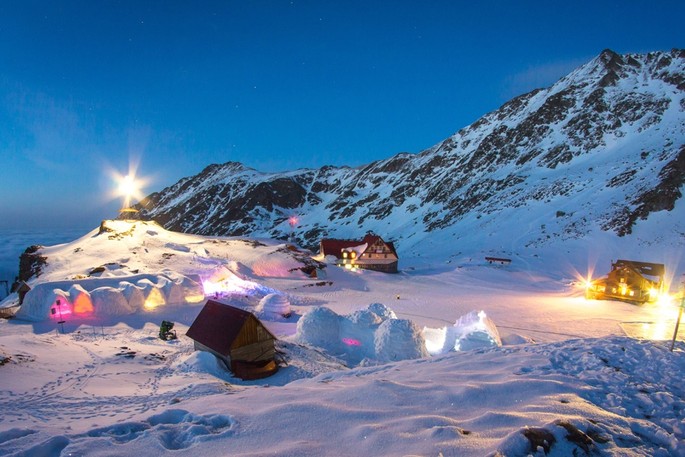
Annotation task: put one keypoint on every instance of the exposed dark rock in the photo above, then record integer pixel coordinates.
(539, 438)
(31, 263)
(660, 198)
(621, 178)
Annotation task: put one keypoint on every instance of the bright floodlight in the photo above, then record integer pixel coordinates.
(128, 187)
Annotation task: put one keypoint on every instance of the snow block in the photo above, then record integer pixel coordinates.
(320, 327)
(362, 335)
(133, 294)
(475, 330)
(109, 301)
(399, 339)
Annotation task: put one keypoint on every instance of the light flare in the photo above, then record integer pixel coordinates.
(129, 185)
(583, 282)
(128, 188)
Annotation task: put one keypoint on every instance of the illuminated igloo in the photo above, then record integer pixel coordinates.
(274, 305)
(81, 302)
(108, 301)
(134, 294)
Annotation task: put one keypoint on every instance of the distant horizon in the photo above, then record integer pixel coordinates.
(89, 91)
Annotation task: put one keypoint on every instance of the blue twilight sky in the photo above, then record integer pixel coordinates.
(86, 87)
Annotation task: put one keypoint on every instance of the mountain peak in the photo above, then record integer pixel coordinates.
(600, 151)
(609, 57)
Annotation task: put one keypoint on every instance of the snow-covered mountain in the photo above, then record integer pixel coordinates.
(602, 150)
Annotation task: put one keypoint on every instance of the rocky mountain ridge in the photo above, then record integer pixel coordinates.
(600, 150)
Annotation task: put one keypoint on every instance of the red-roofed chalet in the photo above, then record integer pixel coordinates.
(371, 253)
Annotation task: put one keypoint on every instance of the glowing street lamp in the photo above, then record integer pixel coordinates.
(680, 313)
(128, 187)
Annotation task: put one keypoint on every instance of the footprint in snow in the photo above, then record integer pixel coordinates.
(175, 429)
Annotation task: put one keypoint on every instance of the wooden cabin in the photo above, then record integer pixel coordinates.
(371, 253)
(236, 337)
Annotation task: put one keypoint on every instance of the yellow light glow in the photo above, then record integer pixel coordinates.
(194, 298)
(154, 299)
(664, 300)
(128, 186)
(83, 304)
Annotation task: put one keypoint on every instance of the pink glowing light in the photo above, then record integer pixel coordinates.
(60, 310)
(293, 221)
(351, 342)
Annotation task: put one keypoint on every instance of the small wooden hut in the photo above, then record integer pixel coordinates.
(237, 338)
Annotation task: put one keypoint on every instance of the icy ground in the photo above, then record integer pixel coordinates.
(572, 377)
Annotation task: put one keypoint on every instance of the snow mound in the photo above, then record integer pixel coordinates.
(362, 337)
(224, 281)
(321, 328)
(382, 311)
(276, 264)
(472, 331)
(399, 339)
(202, 362)
(274, 305)
(475, 330)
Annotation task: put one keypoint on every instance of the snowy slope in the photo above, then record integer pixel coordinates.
(124, 267)
(106, 385)
(591, 397)
(601, 151)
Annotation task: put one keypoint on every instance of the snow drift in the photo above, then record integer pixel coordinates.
(362, 337)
